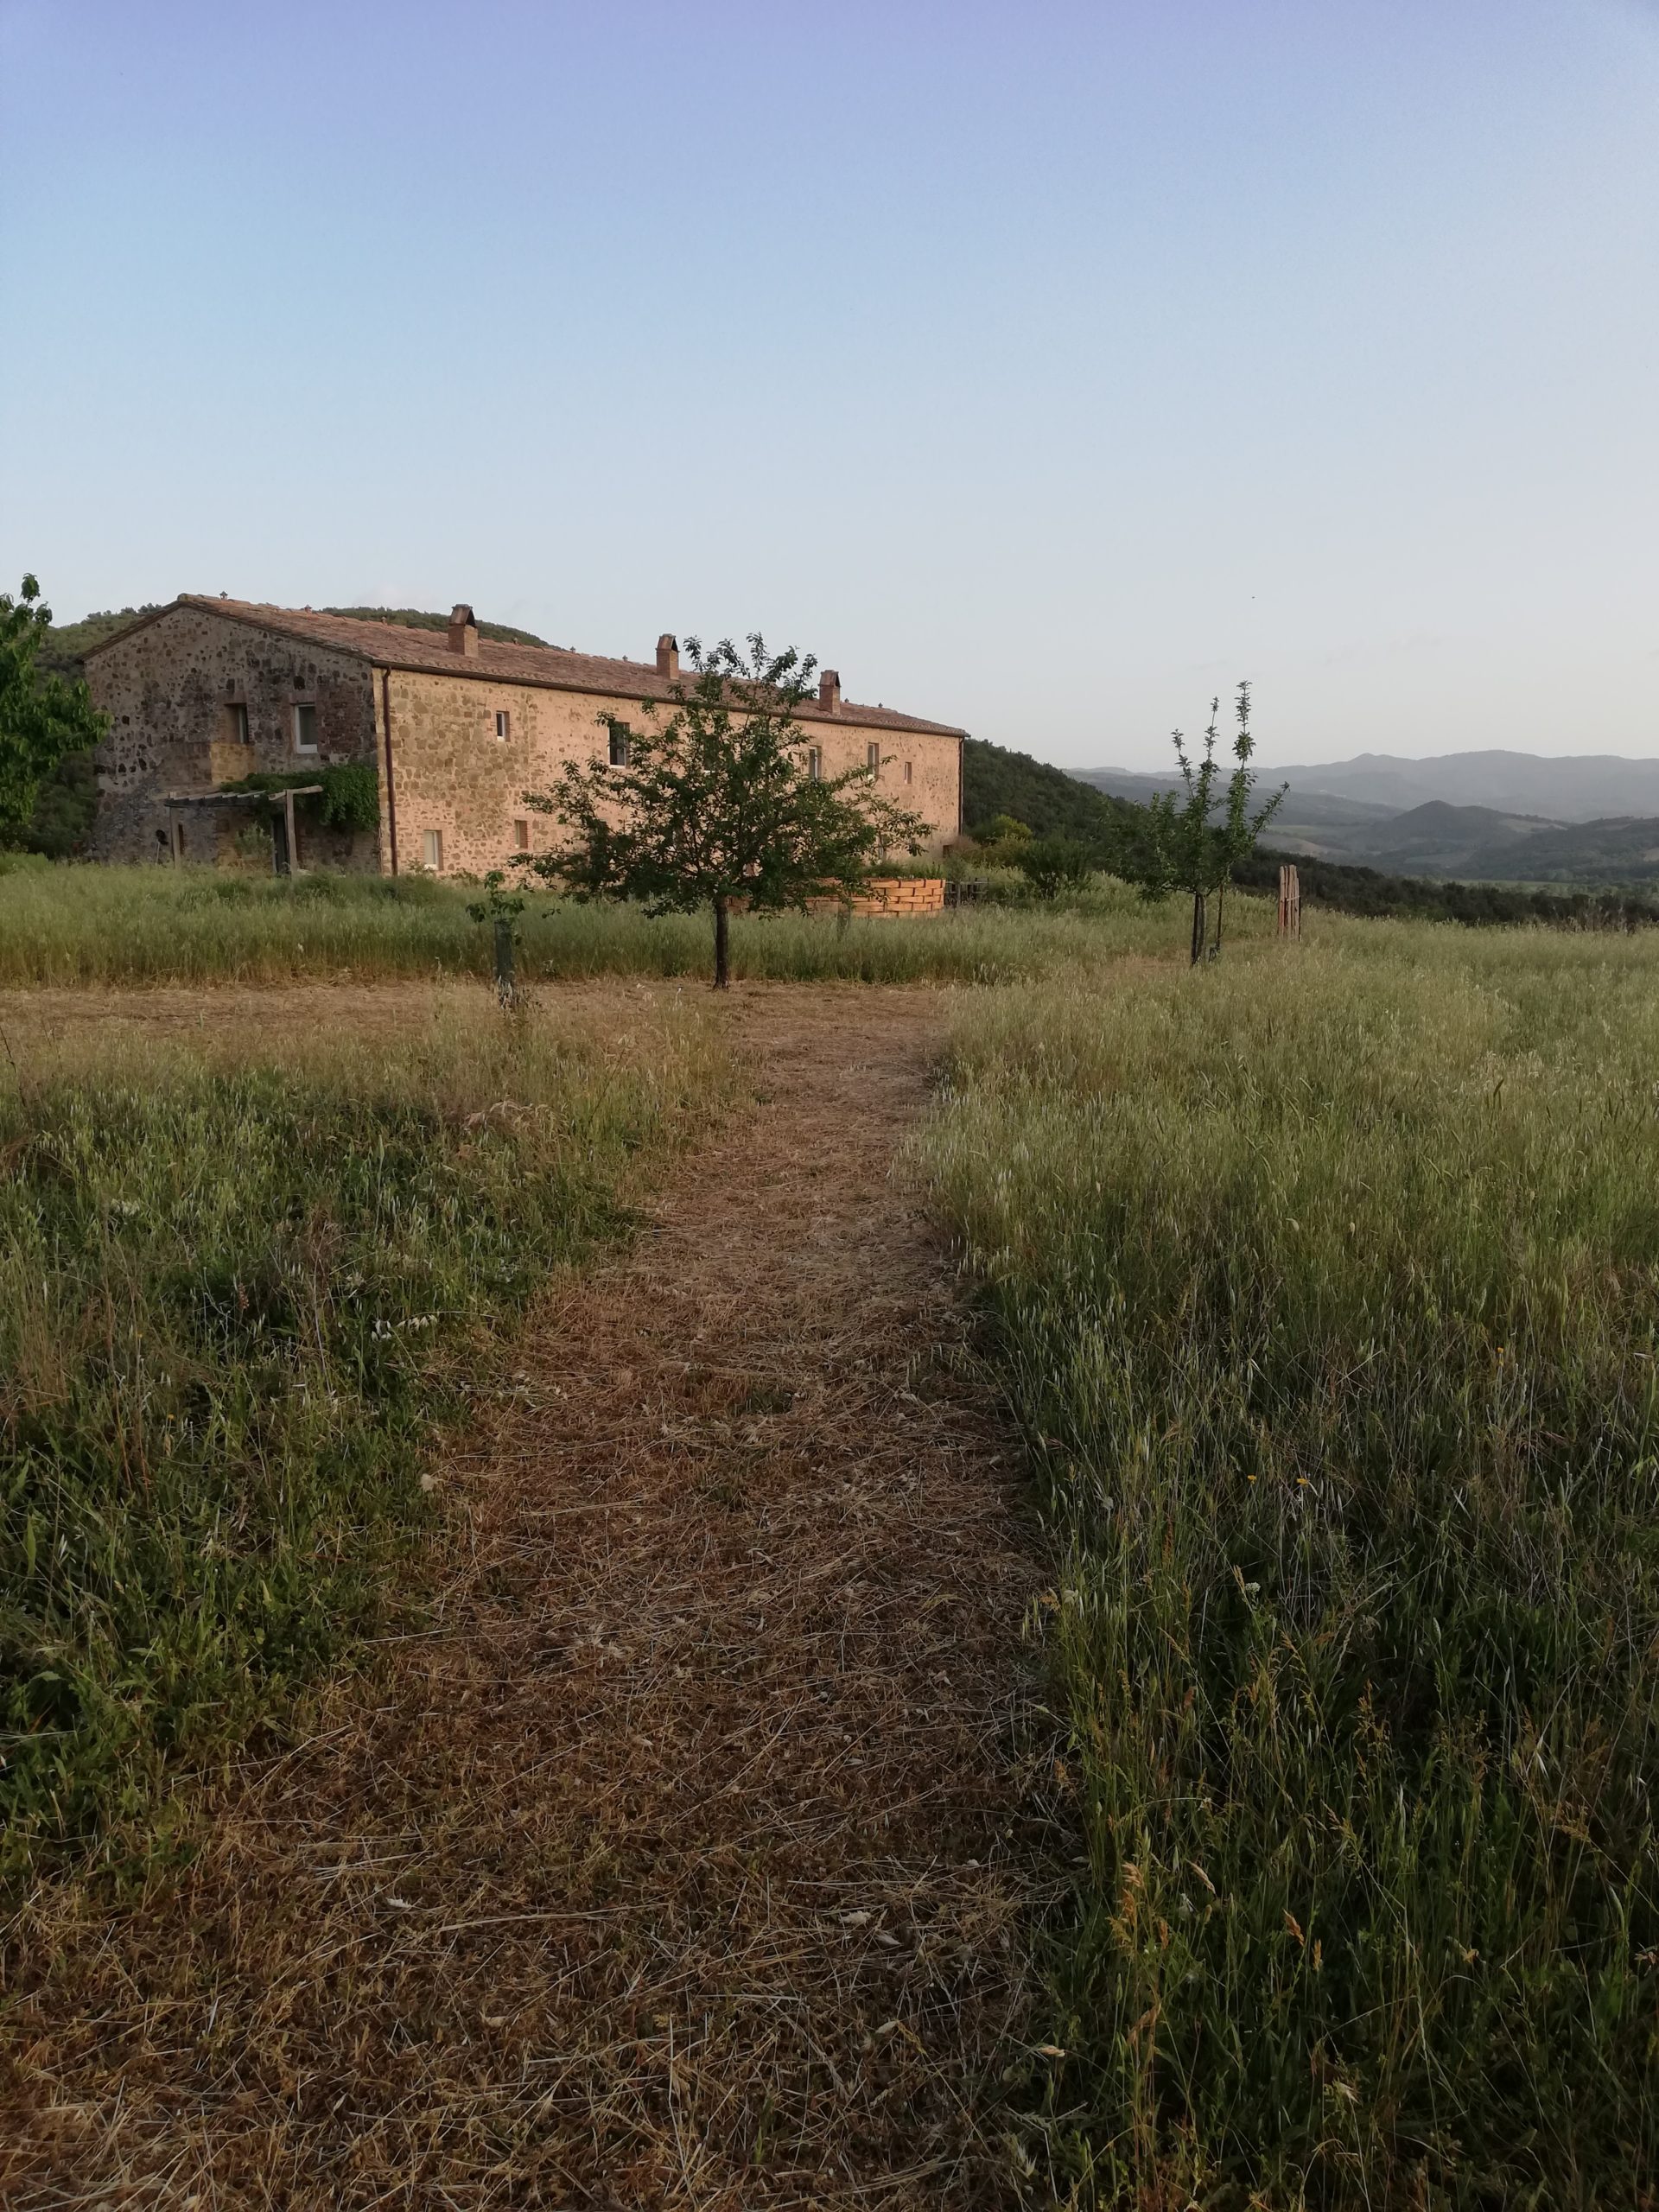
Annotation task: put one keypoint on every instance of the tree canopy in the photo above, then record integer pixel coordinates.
(43, 717)
(717, 798)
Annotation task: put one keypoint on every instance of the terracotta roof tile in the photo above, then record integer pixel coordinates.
(395, 644)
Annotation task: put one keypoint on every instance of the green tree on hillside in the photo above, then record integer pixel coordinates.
(1194, 844)
(43, 718)
(719, 800)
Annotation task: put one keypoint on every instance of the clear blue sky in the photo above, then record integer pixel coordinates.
(1043, 367)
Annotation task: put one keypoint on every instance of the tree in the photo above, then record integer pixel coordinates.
(1194, 844)
(43, 718)
(1051, 865)
(718, 800)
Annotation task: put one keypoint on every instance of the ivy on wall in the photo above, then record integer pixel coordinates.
(349, 799)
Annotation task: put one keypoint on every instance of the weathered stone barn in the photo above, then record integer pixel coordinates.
(207, 692)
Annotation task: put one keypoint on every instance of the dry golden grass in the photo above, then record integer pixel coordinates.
(687, 1860)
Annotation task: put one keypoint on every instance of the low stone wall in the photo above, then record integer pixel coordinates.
(889, 896)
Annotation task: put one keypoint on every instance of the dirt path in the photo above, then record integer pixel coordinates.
(683, 1864)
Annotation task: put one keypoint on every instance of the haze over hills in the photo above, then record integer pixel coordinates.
(1494, 816)
(1585, 787)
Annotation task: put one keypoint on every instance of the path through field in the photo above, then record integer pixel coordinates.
(686, 1862)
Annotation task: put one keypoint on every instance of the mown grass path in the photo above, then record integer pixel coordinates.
(684, 1862)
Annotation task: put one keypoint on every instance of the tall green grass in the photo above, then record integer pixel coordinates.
(83, 925)
(1326, 1286)
(235, 1298)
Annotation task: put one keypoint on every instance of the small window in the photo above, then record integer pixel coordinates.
(815, 763)
(237, 715)
(432, 849)
(872, 756)
(521, 835)
(907, 771)
(305, 729)
(620, 735)
(503, 724)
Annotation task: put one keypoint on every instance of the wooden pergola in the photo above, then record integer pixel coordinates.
(243, 798)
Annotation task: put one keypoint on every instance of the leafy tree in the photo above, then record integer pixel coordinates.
(1051, 865)
(1194, 844)
(500, 909)
(718, 799)
(43, 718)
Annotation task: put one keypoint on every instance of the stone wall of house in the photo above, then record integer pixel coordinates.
(465, 749)
(169, 689)
(459, 784)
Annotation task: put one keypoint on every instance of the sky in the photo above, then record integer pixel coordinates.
(1044, 368)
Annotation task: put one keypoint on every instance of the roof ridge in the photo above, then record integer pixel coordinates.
(423, 652)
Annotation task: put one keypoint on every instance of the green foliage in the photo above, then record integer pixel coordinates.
(43, 718)
(497, 904)
(349, 799)
(65, 644)
(235, 1298)
(715, 803)
(1046, 801)
(1193, 846)
(411, 617)
(1327, 1295)
(64, 810)
(1350, 889)
(1051, 865)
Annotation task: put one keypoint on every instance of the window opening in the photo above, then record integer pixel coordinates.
(305, 728)
(432, 849)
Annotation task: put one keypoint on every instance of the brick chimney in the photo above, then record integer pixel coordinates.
(830, 690)
(668, 655)
(463, 631)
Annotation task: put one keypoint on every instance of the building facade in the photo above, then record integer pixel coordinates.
(457, 728)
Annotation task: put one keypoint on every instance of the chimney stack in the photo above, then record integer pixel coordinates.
(830, 690)
(668, 655)
(463, 631)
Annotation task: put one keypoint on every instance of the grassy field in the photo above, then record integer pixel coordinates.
(1327, 1288)
(236, 1298)
(68, 924)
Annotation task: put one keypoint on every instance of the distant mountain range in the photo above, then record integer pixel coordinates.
(1494, 816)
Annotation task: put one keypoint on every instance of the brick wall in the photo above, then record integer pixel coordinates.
(889, 895)
(168, 690)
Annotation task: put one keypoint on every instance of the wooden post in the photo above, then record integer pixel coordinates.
(1290, 903)
(288, 823)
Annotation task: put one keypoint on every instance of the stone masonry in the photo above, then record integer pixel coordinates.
(467, 726)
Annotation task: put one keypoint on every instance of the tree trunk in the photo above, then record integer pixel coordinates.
(1197, 927)
(722, 947)
(504, 980)
(1221, 893)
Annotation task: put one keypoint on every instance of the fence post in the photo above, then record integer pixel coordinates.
(1290, 902)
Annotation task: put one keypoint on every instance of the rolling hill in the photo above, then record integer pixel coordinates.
(1494, 816)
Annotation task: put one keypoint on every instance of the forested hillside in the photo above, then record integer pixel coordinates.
(1047, 800)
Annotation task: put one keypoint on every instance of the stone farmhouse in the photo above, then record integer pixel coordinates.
(207, 692)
